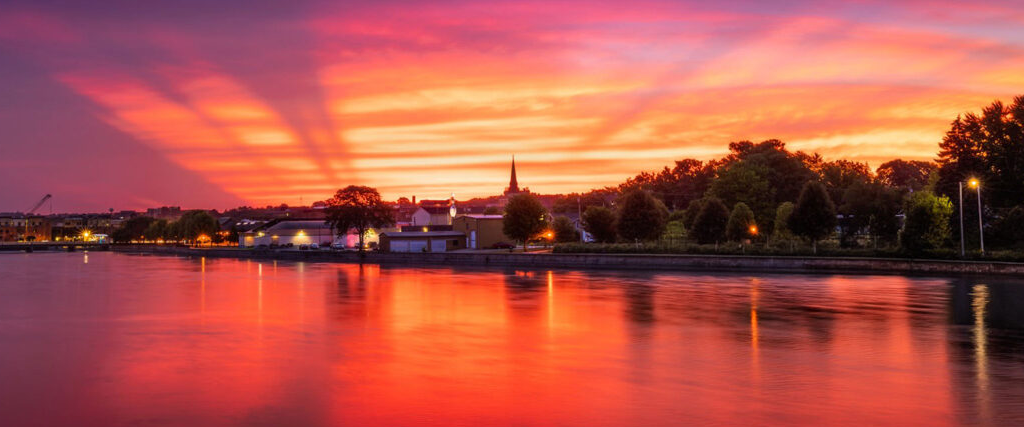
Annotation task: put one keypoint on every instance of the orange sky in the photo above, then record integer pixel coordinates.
(260, 103)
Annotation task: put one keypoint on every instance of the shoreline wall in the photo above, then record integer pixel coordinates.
(730, 263)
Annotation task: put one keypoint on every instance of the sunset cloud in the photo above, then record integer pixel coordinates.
(275, 103)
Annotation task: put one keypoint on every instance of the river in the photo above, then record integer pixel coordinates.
(107, 339)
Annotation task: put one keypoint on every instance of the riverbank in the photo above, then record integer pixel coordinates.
(732, 263)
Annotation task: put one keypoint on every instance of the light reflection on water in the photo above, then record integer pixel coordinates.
(168, 341)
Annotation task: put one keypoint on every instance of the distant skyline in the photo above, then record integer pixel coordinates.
(127, 104)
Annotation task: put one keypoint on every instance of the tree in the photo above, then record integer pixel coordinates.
(745, 182)
(565, 232)
(781, 230)
(195, 223)
(524, 218)
(360, 208)
(641, 216)
(132, 229)
(927, 222)
(690, 214)
(158, 229)
(709, 225)
(814, 215)
(786, 172)
(599, 221)
(911, 175)
(740, 221)
(1007, 231)
(872, 207)
(840, 175)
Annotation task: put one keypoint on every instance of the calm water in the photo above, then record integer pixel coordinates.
(104, 339)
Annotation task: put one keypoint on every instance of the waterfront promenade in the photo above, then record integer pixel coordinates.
(613, 261)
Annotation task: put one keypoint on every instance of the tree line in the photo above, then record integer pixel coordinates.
(763, 192)
(191, 227)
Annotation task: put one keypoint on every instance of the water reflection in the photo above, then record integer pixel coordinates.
(170, 341)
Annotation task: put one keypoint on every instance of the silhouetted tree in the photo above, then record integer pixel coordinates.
(840, 175)
(599, 221)
(525, 218)
(360, 208)
(132, 229)
(912, 175)
(740, 221)
(641, 216)
(565, 232)
(709, 225)
(1008, 231)
(814, 215)
(691, 212)
(871, 207)
(195, 223)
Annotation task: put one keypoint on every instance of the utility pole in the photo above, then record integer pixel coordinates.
(963, 253)
(981, 229)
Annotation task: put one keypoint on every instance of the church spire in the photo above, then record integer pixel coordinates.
(513, 184)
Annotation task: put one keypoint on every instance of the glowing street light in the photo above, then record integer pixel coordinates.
(753, 230)
(981, 229)
(85, 235)
(975, 184)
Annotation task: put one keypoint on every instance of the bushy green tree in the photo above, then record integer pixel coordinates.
(782, 214)
(740, 221)
(814, 215)
(525, 218)
(709, 226)
(565, 232)
(599, 221)
(641, 216)
(360, 208)
(196, 223)
(747, 183)
(674, 231)
(927, 222)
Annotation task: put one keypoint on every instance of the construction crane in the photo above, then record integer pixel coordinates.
(33, 210)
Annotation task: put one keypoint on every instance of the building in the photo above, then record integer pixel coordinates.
(289, 231)
(20, 228)
(481, 231)
(433, 215)
(434, 212)
(170, 213)
(422, 241)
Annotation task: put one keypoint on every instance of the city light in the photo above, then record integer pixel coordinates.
(86, 234)
(549, 235)
(973, 183)
(753, 230)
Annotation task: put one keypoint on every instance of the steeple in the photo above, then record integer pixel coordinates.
(513, 185)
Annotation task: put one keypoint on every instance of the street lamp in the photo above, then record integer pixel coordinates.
(960, 185)
(975, 184)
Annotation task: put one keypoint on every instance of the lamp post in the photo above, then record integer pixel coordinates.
(963, 252)
(974, 183)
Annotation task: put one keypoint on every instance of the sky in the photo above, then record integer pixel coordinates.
(127, 105)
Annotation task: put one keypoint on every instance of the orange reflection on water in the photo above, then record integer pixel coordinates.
(170, 341)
